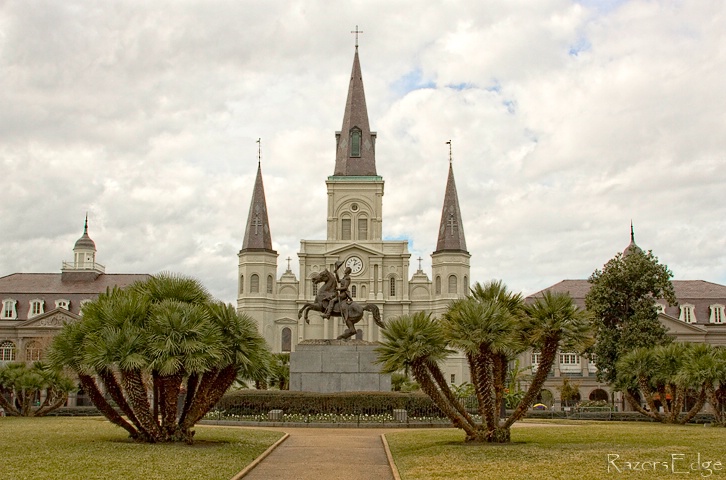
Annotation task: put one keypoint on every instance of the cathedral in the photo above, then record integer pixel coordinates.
(355, 237)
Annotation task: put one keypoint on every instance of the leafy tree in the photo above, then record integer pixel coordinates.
(147, 344)
(622, 302)
(35, 390)
(569, 392)
(491, 326)
(666, 374)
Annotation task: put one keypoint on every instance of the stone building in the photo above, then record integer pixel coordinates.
(355, 236)
(35, 306)
(698, 317)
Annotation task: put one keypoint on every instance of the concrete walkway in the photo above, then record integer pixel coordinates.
(326, 453)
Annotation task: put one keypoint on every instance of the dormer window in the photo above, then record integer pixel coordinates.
(687, 314)
(9, 312)
(62, 303)
(717, 314)
(355, 141)
(660, 308)
(36, 307)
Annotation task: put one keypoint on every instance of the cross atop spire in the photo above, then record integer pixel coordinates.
(356, 31)
(451, 160)
(259, 151)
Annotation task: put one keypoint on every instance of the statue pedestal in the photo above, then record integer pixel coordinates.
(329, 366)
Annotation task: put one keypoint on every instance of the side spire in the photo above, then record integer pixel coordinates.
(257, 233)
(355, 143)
(451, 230)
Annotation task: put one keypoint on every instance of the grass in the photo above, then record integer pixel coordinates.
(563, 450)
(92, 448)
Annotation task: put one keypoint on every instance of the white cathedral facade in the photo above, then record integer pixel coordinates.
(355, 232)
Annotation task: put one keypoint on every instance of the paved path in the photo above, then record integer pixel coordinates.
(326, 453)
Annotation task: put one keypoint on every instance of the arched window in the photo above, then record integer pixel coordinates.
(355, 140)
(452, 284)
(62, 303)
(353, 291)
(392, 290)
(466, 284)
(241, 284)
(7, 351)
(286, 340)
(438, 285)
(315, 289)
(36, 307)
(255, 283)
(33, 352)
(362, 228)
(269, 283)
(345, 229)
(363, 292)
(9, 311)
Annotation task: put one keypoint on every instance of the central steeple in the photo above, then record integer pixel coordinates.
(355, 143)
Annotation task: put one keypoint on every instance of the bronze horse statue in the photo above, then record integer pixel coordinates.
(351, 312)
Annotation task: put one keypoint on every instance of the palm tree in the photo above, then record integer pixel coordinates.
(416, 343)
(669, 373)
(484, 331)
(167, 331)
(552, 322)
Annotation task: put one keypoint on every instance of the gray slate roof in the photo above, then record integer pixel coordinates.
(355, 115)
(257, 233)
(451, 228)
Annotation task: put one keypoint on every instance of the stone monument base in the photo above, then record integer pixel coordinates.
(329, 366)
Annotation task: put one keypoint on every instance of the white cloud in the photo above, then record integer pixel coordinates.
(568, 119)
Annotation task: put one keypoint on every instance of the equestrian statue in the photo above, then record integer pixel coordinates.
(333, 300)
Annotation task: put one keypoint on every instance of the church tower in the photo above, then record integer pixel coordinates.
(450, 261)
(355, 190)
(257, 260)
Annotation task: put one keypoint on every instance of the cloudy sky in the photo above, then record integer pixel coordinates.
(568, 119)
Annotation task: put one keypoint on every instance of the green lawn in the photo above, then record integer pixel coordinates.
(92, 448)
(561, 450)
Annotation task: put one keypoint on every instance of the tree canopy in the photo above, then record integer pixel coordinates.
(148, 345)
(622, 301)
(27, 385)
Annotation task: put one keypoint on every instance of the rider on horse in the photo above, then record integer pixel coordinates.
(343, 295)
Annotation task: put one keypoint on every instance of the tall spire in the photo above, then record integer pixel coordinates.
(257, 232)
(451, 230)
(355, 143)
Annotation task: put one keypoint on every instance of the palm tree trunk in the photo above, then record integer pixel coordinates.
(637, 407)
(192, 383)
(217, 389)
(485, 380)
(8, 406)
(169, 389)
(440, 380)
(500, 379)
(422, 376)
(136, 391)
(92, 390)
(700, 401)
(648, 394)
(199, 401)
(714, 399)
(114, 389)
(547, 359)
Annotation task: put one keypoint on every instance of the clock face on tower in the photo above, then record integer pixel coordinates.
(355, 264)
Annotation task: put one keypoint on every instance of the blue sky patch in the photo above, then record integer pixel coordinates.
(411, 81)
